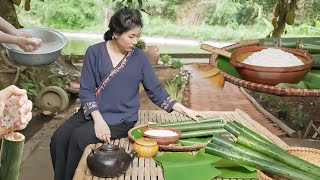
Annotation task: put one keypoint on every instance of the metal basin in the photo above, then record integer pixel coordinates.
(49, 52)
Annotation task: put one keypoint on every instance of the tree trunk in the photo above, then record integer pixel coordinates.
(191, 13)
(8, 13)
(277, 32)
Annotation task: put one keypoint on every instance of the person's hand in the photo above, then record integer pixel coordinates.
(26, 44)
(25, 105)
(186, 111)
(192, 114)
(101, 129)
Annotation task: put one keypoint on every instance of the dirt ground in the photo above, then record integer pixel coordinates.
(296, 112)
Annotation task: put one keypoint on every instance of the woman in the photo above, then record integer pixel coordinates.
(109, 93)
(12, 35)
(25, 107)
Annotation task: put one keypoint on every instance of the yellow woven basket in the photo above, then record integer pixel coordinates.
(308, 154)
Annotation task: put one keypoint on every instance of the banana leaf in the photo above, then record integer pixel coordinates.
(137, 133)
(309, 43)
(299, 85)
(224, 65)
(193, 141)
(238, 173)
(312, 80)
(316, 60)
(185, 166)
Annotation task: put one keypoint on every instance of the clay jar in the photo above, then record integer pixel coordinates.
(145, 147)
(109, 161)
(153, 54)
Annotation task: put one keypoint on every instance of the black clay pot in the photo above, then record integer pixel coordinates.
(109, 161)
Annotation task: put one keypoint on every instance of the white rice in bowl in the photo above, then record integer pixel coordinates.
(272, 57)
(160, 132)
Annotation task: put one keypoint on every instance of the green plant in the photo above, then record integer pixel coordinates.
(29, 82)
(165, 58)
(180, 79)
(173, 90)
(176, 63)
(298, 117)
(141, 44)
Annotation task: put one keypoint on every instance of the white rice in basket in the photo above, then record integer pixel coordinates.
(160, 132)
(272, 57)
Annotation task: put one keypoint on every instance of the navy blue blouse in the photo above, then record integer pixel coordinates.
(114, 92)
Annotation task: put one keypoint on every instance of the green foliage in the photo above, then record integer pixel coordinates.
(175, 85)
(298, 117)
(181, 79)
(141, 44)
(175, 63)
(61, 14)
(173, 91)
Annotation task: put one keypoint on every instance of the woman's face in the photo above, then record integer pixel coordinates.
(128, 40)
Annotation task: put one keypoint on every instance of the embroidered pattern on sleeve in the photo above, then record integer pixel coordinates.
(88, 106)
(166, 103)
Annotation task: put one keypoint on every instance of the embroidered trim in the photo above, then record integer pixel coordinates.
(88, 106)
(114, 72)
(166, 103)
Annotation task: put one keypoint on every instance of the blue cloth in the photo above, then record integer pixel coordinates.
(118, 98)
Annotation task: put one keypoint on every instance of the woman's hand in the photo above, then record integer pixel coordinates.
(186, 111)
(25, 106)
(101, 128)
(26, 44)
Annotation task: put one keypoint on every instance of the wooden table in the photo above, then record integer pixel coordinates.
(146, 168)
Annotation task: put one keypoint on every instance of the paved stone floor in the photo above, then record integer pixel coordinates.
(205, 95)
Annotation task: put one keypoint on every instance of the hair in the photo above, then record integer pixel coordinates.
(122, 21)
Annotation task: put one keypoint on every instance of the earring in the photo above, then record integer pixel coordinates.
(113, 37)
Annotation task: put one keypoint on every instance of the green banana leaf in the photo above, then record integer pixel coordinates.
(312, 80)
(224, 65)
(299, 85)
(316, 60)
(225, 163)
(237, 172)
(136, 133)
(193, 141)
(185, 166)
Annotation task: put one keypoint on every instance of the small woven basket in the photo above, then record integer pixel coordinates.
(308, 154)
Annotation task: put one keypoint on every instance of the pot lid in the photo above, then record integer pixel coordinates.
(146, 142)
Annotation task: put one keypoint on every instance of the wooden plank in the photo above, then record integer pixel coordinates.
(141, 168)
(135, 164)
(147, 165)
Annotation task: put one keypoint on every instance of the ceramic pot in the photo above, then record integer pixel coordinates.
(145, 147)
(153, 54)
(109, 161)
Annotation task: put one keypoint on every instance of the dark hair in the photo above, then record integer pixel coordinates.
(122, 21)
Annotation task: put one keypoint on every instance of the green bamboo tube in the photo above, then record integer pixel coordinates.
(10, 156)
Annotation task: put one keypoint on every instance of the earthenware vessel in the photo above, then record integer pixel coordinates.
(163, 140)
(153, 54)
(145, 147)
(109, 161)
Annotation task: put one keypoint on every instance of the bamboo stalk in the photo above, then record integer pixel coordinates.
(10, 156)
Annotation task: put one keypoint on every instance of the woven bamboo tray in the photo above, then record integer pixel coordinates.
(308, 154)
(261, 87)
(170, 147)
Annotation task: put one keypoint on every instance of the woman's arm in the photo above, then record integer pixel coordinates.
(12, 35)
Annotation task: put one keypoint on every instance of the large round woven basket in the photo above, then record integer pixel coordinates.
(261, 87)
(308, 154)
(170, 147)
